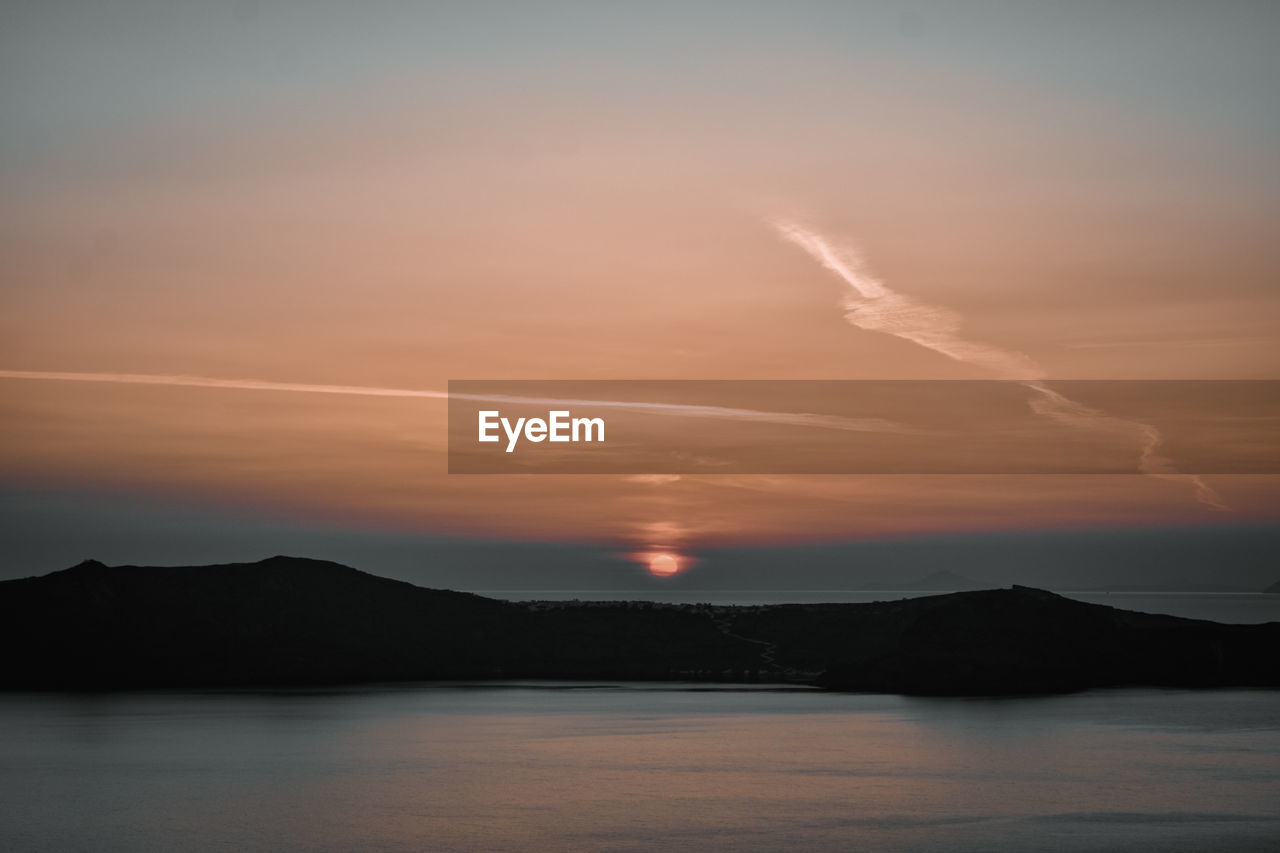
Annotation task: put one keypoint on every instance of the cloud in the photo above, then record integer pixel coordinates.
(653, 479)
(185, 381)
(871, 305)
(800, 419)
(1064, 410)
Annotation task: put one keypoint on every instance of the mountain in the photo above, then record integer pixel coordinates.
(1023, 640)
(1275, 587)
(287, 621)
(281, 620)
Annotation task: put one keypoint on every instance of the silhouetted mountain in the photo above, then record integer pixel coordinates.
(1024, 640)
(294, 621)
(277, 621)
(1275, 587)
(291, 621)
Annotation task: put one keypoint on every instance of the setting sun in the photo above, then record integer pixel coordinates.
(663, 565)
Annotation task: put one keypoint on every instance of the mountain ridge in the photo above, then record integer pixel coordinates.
(287, 620)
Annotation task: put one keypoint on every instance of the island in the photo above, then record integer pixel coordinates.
(295, 621)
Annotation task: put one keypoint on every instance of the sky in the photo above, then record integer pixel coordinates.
(285, 197)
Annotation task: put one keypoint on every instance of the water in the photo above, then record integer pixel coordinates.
(523, 767)
(1233, 607)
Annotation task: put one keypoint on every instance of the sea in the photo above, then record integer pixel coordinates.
(584, 766)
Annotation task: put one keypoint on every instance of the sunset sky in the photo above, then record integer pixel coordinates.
(396, 195)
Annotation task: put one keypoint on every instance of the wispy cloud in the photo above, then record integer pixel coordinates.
(797, 419)
(1064, 410)
(187, 381)
(871, 305)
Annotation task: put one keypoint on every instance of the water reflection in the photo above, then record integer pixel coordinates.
(638, 767)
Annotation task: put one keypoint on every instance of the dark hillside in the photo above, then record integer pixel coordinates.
(295, 621)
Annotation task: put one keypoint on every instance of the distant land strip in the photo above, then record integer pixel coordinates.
(291, 621)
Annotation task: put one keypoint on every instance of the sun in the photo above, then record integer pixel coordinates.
(663, 565)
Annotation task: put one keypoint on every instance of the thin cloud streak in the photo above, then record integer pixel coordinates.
(801, 419)
(186, 381)
(1151, 462)
(873, 306)
(876, 308)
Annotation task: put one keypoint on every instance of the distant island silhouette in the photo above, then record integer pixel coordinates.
(292, 621)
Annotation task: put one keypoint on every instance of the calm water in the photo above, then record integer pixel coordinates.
(1237, 607)
(638, 767)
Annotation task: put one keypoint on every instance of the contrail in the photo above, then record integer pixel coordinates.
(1151, 462)
(802, 419)
(186, 381)
(873, 306)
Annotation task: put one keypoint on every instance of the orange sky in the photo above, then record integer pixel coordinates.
(584, 195)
